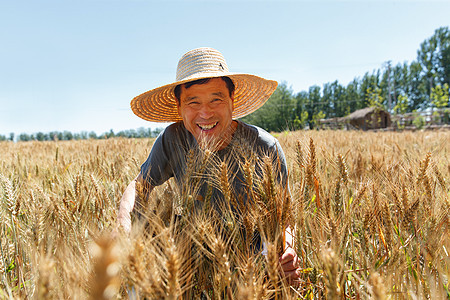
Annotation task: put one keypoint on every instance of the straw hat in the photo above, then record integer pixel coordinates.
(160, 104)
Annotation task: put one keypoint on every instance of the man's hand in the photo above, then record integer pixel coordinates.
(289, 264)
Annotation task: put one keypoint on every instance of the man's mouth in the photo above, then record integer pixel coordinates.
(207, 126)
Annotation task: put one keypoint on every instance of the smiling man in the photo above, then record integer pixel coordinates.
(204, 103)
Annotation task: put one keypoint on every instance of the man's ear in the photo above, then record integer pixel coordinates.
(232, 101)
(179, 108)
(178, 99)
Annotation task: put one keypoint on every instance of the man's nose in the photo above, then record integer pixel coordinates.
(205, 111)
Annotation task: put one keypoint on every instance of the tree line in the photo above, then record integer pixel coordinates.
(84, 135)
(406, 87)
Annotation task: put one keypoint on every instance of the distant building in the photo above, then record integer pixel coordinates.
(363, 119)
(369, 118)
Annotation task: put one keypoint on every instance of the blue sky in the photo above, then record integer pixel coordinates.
(76, 65)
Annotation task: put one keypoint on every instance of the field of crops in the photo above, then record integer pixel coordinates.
(371, 212)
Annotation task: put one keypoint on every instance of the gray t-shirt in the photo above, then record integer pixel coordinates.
(175, 153)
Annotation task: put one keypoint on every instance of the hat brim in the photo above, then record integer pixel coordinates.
(160, 104)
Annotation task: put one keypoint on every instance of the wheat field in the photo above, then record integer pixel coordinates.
(370, 212)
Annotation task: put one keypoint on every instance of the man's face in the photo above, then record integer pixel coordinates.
(206, 110)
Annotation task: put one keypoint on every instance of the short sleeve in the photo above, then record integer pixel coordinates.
(157, 168)
(281, 162)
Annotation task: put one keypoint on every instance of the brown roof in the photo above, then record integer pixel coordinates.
(361, 113)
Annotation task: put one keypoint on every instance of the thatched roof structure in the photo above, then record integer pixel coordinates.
(369, 118)
(366, 118)
(360, 113)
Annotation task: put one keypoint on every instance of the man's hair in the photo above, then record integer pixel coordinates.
(228, 82)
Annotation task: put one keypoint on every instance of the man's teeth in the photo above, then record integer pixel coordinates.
(206, 126)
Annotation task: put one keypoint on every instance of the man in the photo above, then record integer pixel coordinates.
(204, 102)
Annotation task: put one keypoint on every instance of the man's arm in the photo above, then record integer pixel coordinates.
(127, 203)
(126, 206)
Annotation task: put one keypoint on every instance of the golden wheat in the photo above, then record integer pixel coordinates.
(370, 209)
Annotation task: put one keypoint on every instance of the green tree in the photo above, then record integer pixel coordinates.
(374, 98)
(156, 132)
(278, 113)
(283, 102)
(418, 120)
(313, 103)
(334, 99)
(300, 123)
(394, 82)
(53, 136)
(439, 96)
(40, 136)
(352, 98)
(369, 83)
(24, 137)
(434, 57)
(67, 135)
(318, 116)
(439, 100)
(401, 107)
(92, 135)
(301, 101)
(415, 87)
